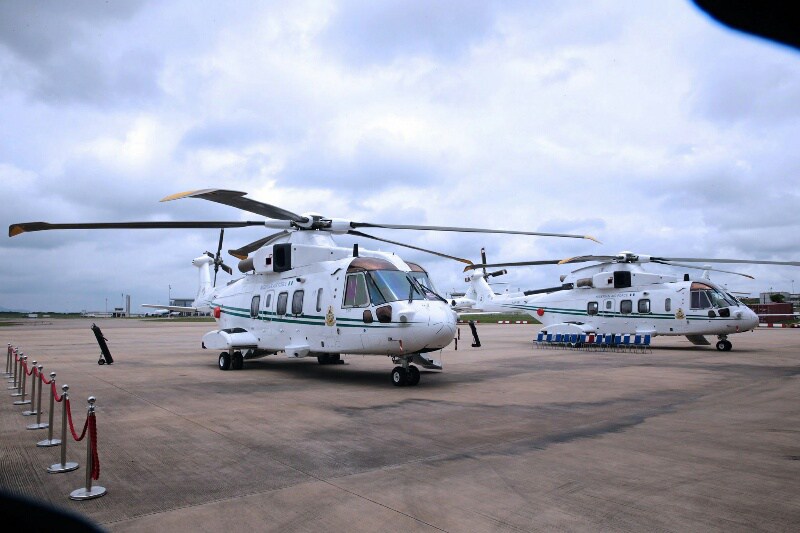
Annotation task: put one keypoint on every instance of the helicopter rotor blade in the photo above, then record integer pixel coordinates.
(361, 234)
(468, 230)
(236, 199)
(16, 229)
(672, 263)
(514, 264)
(715, 260)
(244, 251)
(586, 258)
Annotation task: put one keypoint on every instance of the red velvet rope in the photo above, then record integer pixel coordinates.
(93, 436)
(25, 368)
(56, 397)
(72, 428)
(44, 379)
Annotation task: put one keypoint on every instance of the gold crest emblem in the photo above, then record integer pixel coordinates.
(679, 314)
(330, 318)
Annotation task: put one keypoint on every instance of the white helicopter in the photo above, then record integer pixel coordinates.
(617, 296)
(303, 295)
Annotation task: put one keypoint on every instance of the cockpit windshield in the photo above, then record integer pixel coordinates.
(378, 282)
(705, 296)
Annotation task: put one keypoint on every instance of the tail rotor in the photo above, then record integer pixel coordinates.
(218, 258)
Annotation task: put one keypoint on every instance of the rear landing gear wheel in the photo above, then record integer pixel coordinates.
(413, 375)
(724, 346)
(399, 376)
(238, 361)
(224, 361)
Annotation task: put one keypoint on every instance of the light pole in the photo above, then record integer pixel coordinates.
(169, 295)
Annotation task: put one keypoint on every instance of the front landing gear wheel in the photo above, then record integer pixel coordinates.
(101, 361)
(238, 361)
(724, 346)
(224, 361)
(399, 376)
(413, 375)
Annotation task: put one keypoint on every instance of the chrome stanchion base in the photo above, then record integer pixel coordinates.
(46, 443)
(29, 413)
(21, 402)
(40, 425)
(83, 494)
(15, 394)
(58, 468)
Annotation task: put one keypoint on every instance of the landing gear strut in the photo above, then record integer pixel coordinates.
(231, 361)
(405, 374)
(724, 345)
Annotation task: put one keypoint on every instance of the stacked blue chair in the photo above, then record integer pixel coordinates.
(646, 344)
(637, 342)
(539, 339)
(626, 342)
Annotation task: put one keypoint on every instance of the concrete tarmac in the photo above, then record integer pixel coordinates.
(507, 438)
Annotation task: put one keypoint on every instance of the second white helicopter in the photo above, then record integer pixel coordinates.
(617, 296)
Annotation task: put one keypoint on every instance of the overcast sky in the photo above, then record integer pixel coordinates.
(645, 124)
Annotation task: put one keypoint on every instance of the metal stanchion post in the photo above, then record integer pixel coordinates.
(88, 492)
(16, 374)
(50, 441)
(8, 362)
(34, 375)
(14, 360)
(21, 390)
(63, 466)
(39, 424)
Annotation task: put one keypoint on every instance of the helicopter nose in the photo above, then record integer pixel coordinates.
(752, 319)
(442, 322)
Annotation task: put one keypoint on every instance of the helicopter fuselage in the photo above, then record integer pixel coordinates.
(339, 305)
(626, 299)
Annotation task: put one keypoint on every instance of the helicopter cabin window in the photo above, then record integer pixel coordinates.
(319, 300)
(644, 305)
(297, 302)
(668, 305)
(591, 308)
(609, 305)
(254, 304)
(269, 301)
(283, 298)
(626, 307)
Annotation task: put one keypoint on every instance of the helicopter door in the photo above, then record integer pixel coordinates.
(351, 326)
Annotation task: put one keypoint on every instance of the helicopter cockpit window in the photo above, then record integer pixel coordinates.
(254, 304)
(355, 291)
(421, 276)
(379, 281)
(283, 298)
(591, 308)
(626, 307)
(705, 296)
(319, 300)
